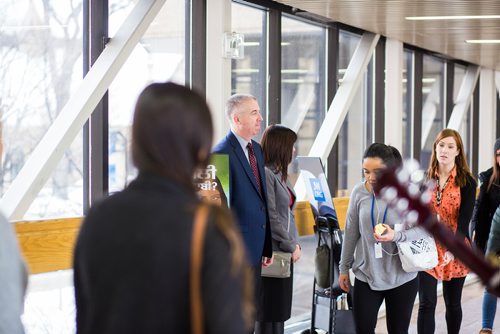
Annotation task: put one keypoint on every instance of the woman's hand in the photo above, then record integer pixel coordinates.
(296, 254)
(344, 282)
(387, 236)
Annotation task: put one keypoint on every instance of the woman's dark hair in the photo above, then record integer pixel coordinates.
(398, 159)
(277, 145)
(389, 155)
(172, 132)
(172, 136)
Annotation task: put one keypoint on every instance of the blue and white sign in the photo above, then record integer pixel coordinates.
(317, 190)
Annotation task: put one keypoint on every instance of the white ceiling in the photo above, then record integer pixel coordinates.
(387, 17)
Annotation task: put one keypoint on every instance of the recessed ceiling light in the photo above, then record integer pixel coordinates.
(483, 41)
(462, 17)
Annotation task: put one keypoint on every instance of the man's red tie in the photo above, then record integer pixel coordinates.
(253, 164)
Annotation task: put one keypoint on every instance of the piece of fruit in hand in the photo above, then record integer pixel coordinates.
(380, 229)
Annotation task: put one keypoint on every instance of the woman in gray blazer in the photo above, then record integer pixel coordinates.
(276, 296)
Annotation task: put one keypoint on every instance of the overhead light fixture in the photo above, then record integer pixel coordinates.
(457, 17)
(483, 41)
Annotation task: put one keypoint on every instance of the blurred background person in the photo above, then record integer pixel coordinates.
(13, 276)
(493, 247)
(13, 281)
(276, 295)
(453, 202)
(486, 204)
(133, 254)
(373, 257)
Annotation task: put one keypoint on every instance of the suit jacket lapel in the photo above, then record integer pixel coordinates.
(238, 150)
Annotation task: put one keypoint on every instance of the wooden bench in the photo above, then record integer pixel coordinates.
(47, 245)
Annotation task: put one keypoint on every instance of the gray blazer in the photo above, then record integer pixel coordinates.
(283, 229)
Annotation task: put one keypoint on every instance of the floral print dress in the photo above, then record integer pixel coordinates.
(446, 204)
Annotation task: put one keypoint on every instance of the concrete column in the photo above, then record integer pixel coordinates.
(487, 118)
(218, 68)
(394, 93)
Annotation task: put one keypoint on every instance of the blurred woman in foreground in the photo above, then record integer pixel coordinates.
(133, 254)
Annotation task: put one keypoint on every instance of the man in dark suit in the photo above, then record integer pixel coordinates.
(247, 185)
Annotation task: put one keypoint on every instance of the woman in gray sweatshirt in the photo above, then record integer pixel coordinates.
(374, 258)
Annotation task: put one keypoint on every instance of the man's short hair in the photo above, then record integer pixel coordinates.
(234, 102)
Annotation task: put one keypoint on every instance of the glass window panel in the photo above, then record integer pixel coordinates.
(354, 134)
(248, 75)
(159, 56)
(303, 109)
(407, 104)
(40, 67)
(302, 80)
(433, 120)
(466, 127)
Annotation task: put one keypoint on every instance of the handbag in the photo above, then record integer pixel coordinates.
(343, 322)
(418, 255)
(198, 238)
(322, 266)
(280, 268)
(342, 319)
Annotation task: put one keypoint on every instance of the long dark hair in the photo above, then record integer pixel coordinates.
(277, 145)
(172, 136)
(462, 168)
(172, 132)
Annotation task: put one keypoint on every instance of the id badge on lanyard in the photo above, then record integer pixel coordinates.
(378, 245)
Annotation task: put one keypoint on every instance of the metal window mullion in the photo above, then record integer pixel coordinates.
(95, 131)
(379, 90)
(475, 129)
(498, 116)
(274, 67)
(418, 72)
(332, 65)
(449, 89)
(196, 45)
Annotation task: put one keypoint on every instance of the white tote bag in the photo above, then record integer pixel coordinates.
(417, 255)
